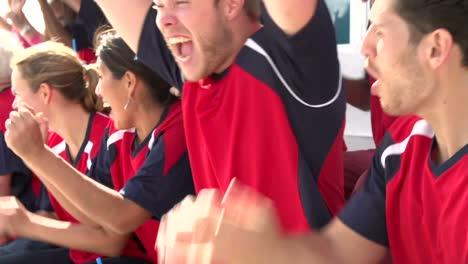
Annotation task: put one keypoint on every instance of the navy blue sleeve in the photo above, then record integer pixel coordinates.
(9, 162)
(365, 212)
(78, 31)
(154, 52)
(92, 17)
(43, 201)
(309, 59)
(100, 168)
(154, 191)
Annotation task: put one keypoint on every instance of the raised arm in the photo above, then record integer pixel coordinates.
(127, 17)
(292, 15)
(53, 28)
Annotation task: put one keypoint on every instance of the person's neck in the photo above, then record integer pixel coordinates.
(449, 118)
(73, 132)
(247, 30)
(148, 118)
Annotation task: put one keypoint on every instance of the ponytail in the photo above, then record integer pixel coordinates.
(91, 102)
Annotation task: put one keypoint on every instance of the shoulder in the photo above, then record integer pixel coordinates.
(114, 135)
(404, 138)
(405, 127)
(169, 135)
(101, 122)
(171, 119)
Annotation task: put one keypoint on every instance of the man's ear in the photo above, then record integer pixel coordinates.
(231, 8)
(437, 47)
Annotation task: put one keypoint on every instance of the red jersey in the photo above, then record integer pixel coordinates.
(85, 162)
(155, 174)
(410, 203)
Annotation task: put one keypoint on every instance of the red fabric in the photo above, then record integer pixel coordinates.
(238, 127)
(87, 56)
(128, 164)
(426, 203)
(95, 134)
(356, 164)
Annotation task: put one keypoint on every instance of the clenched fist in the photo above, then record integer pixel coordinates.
(25, 132)
(240, 228)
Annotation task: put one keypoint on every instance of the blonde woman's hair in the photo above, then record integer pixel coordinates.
(9, 45)
(58, 66)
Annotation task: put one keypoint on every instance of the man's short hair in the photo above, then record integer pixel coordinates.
(425, 16)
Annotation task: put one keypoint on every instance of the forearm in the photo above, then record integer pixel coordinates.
(305, 249)
(54, 29)
(128, 27)
(81, 191)
(292, 15)
(24, 28)
(335, 243)
(76, 236)
(67, 204)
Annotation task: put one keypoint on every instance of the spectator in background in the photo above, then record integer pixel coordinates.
(62, 24)
(26, 32)
(89, 14)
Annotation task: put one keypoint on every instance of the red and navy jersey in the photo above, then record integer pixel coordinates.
(85, 162)
(155, 174)
(409, 202)
(274, 119)
(24, 185)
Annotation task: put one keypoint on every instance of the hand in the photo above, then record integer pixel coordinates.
(18, 20)
(4, 24)
(16, 6)
(227, 231)
(13, 216)
(23, 132)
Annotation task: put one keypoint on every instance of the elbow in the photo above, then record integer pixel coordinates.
(114, 250)
(126, 223)
(113, 247)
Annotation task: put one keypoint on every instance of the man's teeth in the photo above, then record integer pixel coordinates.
(178, 40)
